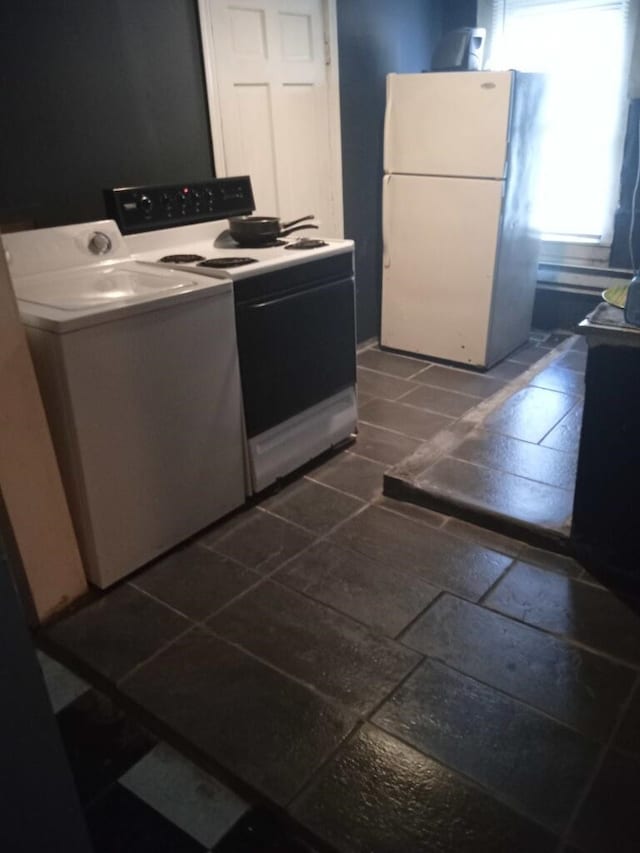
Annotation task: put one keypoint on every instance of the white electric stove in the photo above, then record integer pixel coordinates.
(294, 313)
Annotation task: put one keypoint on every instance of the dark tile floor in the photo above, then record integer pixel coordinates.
(380, 676)
(513, 456)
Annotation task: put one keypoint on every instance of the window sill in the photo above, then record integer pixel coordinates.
(573, 253)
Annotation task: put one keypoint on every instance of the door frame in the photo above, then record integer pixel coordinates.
(330, 39)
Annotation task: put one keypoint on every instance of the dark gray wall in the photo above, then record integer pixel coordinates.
(459, 13)
(97, 93)
(375, 37)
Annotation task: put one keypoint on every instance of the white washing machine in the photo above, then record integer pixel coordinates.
(138, 370)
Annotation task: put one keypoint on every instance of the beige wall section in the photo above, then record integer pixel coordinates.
(29, 477)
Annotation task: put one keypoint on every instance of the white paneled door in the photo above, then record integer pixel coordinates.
(273, 98)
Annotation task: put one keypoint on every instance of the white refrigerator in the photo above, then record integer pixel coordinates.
(459, 252)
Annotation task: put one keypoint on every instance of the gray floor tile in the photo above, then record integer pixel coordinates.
(409, 420)
(557, 378)
(409, 510)
(590, 614)
(63, 686)
(312, 505)
(504, 453)
(608, 819)
(506, 370)
(384, 446)
(386, 362)
(500, 492)
(530, 413)
(119, 631)
(195, 580)
(440, 400)
(528, 354)
(441, 560)
(575, 359)
(548, 560)
(382, 597)
(265, 728)
(566, 434)
(378, 795)
(628, 735)
(382, 385)
(353, 474)
(332, 653)
(485, 735)
(483, 536)
(185, 795)
(463, 381)
(573, 685)
(260, 541)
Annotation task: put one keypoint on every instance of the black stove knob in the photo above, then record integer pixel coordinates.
(145, 204)
(165, 198)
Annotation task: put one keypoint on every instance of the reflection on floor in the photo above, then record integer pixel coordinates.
(379, 676)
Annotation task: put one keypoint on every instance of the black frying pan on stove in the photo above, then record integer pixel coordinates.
(258, 230)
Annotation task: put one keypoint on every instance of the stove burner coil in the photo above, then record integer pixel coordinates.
(224, 263)
(306, 243)
(181, 259)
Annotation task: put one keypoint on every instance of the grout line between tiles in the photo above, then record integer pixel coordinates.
(409, 625)
(606, 748)
(117, 682)
(497, 581)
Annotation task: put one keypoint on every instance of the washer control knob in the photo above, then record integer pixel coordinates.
(100, 243)
(145, 204)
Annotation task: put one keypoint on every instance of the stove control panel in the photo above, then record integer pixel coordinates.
(137, 209)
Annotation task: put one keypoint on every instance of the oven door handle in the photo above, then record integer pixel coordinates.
(298, 293)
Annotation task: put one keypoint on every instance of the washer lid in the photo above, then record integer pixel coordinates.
(78, 290)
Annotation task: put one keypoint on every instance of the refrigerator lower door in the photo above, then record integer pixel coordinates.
(440, 239)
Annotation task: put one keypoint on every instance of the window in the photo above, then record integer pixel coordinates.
(581, 47)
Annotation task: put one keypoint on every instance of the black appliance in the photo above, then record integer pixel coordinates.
(460, 50)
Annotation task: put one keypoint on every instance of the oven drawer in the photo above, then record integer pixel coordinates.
(295, 351)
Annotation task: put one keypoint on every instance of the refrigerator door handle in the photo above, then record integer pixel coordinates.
(386, 205)
(386, 130)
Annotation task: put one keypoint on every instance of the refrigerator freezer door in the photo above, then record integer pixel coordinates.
(449, 123)
(440, 241)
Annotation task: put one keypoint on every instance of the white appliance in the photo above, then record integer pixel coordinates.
(138, 371)
(459, 252)
(295, 315)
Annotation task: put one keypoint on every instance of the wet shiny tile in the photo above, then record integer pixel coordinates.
(312, 505)
(566, 435)
(382, 385)
(413, 547)
(589, 614)
(483, 536)
(378, 795)
(409, 420)
(375, 593)
(463, 381)
(573, 685)
(557, 378)
(500, 492)
(382, 445)
(260, 541)
(195, 580)
(387, 362)
(528, 354)
(460, 722)
(332, 653)
(530, 413)
(608, 819)
(575, 359)
(440, 400)
(522, 458)
(117, 632)
(353, 474)
(628, 736)
(263, 727)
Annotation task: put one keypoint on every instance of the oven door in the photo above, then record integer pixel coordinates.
(295, 350)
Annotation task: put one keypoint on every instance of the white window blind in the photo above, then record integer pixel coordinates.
(581, 47)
